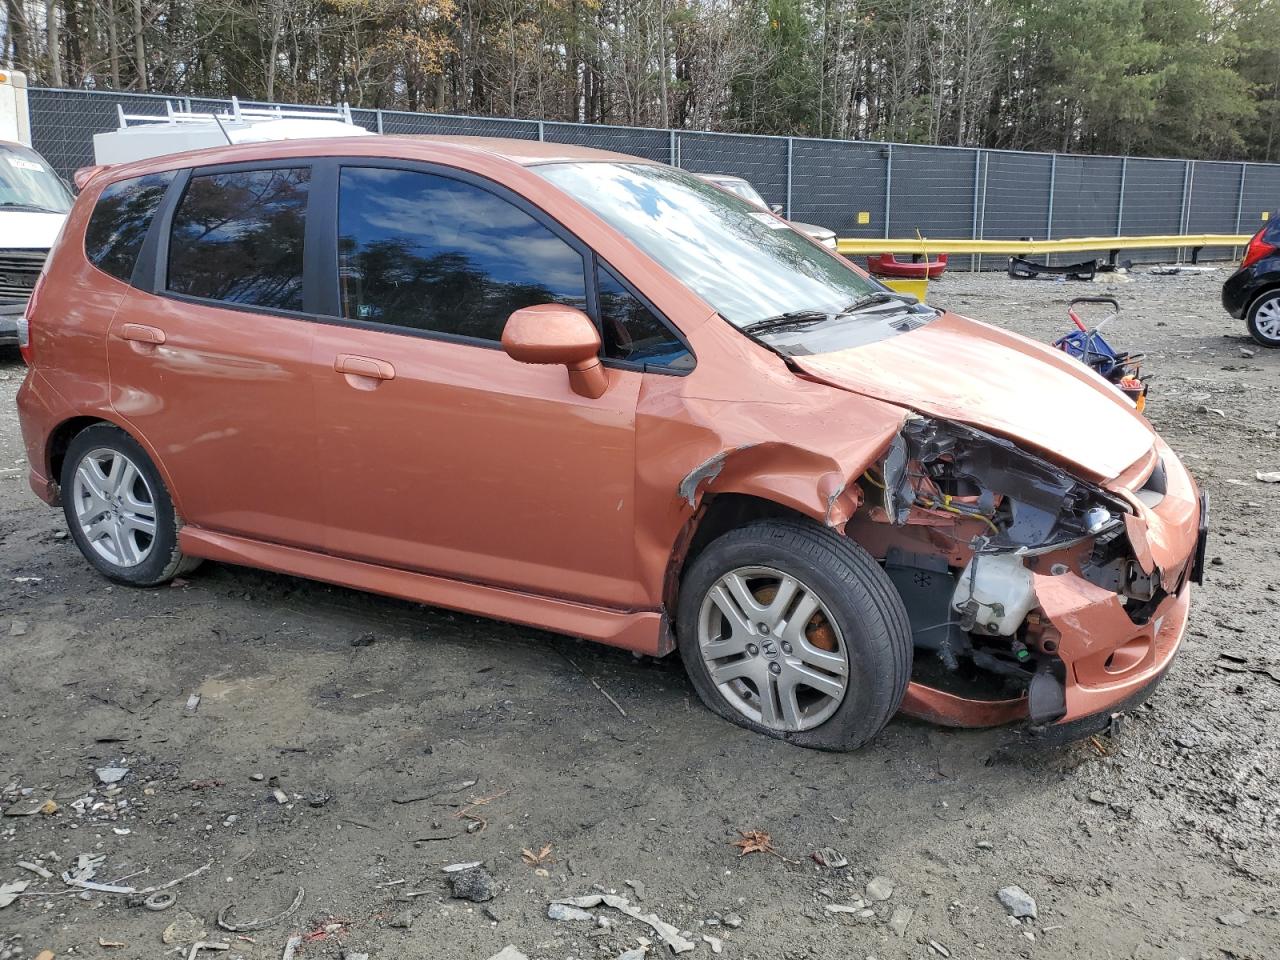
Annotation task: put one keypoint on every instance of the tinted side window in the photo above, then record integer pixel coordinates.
(238, 237)
(120, 221)
(430, 253)
(632, 332)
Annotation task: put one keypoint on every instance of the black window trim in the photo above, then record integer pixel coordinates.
(151, 274)
(597, 262)
(321, 296)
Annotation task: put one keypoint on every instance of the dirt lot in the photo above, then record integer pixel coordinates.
(1161, 843)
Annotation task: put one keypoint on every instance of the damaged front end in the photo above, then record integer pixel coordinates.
(1027, 596)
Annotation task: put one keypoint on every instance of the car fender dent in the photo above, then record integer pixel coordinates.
(814, 484)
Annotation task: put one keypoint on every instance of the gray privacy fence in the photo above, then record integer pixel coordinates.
(856, 188)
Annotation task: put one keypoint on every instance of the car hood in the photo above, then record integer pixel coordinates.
(973, 373)
(29, 230)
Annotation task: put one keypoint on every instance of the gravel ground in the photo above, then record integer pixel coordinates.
(404, 739)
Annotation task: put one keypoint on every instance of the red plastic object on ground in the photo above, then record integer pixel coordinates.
(887, 265)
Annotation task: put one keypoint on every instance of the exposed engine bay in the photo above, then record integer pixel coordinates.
(972, 519)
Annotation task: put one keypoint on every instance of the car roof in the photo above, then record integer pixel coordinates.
(722, 177)
(500, 150)
(529, 152)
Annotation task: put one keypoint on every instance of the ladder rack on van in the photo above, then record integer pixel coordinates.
(237, 113)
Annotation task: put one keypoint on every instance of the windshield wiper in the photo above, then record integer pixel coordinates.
(786, 321)
(877, 298)
(28, 206)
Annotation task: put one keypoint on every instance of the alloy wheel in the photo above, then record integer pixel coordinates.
(1266, 319)
(115, 507)
(772, 649)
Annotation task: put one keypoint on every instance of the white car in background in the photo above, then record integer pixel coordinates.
(34, 202)
(743, 189)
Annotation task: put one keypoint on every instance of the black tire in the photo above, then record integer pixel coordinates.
(1270, 299)
(860, 597)
(164, 560)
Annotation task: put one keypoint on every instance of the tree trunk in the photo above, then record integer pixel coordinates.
(54, 42)
(139, 45)
(18, 34)
(113, 44)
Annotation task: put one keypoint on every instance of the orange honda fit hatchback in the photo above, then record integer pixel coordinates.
(601, 396)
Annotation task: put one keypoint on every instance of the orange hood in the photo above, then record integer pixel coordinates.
(976, 374)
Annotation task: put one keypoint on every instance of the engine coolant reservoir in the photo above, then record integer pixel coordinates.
(996, 591)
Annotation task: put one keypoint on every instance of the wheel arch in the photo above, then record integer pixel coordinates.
(60, 438)
(1265, 290)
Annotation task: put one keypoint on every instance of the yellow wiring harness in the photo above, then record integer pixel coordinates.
(945, 505)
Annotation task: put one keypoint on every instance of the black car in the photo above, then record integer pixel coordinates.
(1253, 291)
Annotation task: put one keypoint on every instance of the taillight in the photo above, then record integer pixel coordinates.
(24, 339)
(1257, 249)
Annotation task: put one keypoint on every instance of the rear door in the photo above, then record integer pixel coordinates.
(211, 352)
(441, 453)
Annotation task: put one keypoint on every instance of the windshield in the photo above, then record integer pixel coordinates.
(747, 264)
(28, 183)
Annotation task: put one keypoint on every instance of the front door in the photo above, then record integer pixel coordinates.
(440, 453)
(209, 367)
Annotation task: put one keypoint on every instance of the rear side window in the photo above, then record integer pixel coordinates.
(237, 237)
(430, 253)
(632, 332)
(120, 221)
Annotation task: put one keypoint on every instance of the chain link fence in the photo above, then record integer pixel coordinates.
(858, 189)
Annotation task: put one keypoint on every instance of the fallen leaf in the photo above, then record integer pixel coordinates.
(754, 841)
(536, 859)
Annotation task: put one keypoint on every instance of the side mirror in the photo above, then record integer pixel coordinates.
(551, 333)
(776, 208)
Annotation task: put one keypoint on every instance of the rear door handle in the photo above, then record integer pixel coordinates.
(141, 333)
(364, 367)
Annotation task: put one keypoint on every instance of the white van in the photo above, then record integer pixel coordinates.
(33, 205)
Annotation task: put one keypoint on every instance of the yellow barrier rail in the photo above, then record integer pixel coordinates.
(1112, 245)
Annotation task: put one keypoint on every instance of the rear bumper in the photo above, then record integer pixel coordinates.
(40, 410)
(1237, 291)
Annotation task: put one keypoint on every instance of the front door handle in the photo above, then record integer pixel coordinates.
(141, 333)
(370, 367)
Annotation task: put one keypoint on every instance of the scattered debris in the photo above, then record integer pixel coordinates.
(939, 949)
(318, 800)
(18, 628)
(186, 928)
(364, 640)
(260, 923)
(110, 775)
(291, 946)
(110, 944)
(402, 920)
(36, 869)
(9, 891)
(1272, 476)
(206, 784)
(607, 695)
(280, 796)
(844, 908)
(899, 920)
(160, 901)
(714, 943)
(206, 945)
(476, 822)
(509, 952)
(1018, 902)
(879, 888)
(1236, 918)
(447, 788)
(459, 867)
(731, 920)
(670, 935)
(475, 885)
(28, 806)
(561, 911)
(193, 703)
(828, 857)
(637, 887)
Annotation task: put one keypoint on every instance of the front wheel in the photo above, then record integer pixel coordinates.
(1264, 319)
(118, 510)
(791, 630)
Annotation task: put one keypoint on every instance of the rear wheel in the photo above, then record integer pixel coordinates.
(791, 630)
(1264, 319)
(118, 510)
